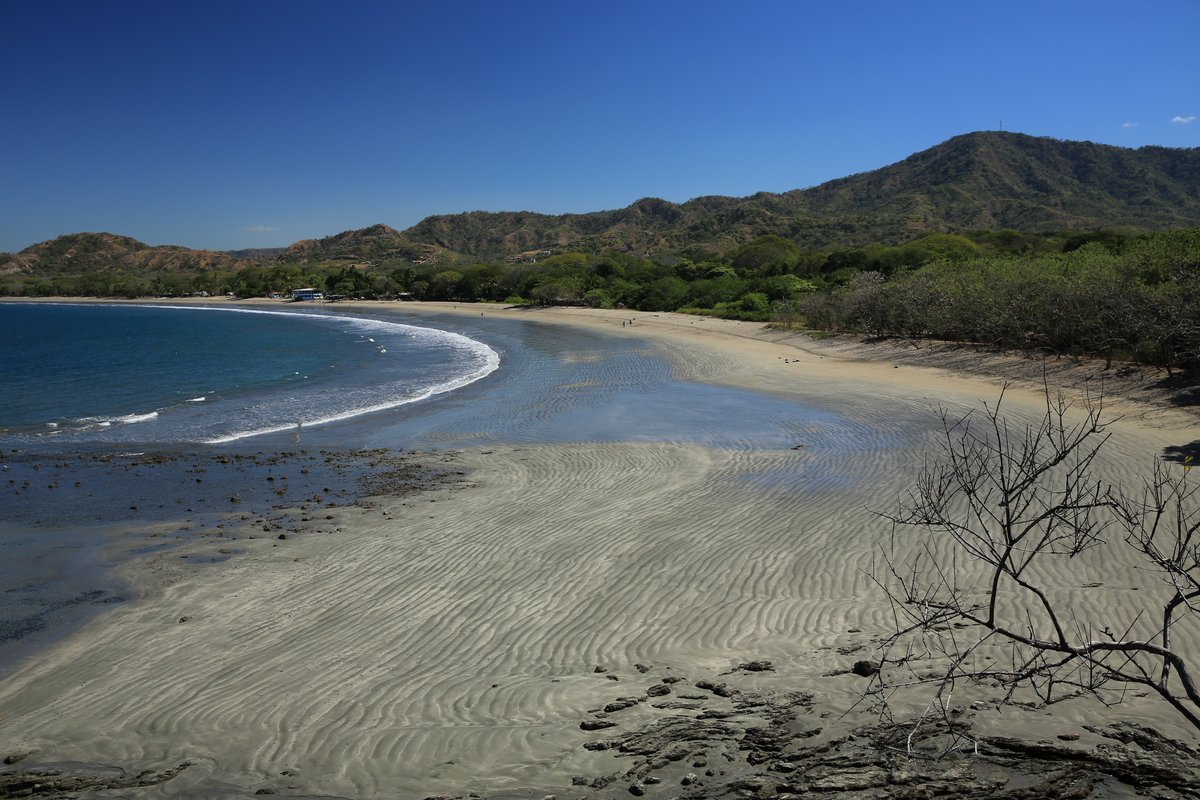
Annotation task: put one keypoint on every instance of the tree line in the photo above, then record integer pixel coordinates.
(1108, 293)
(1138, 300)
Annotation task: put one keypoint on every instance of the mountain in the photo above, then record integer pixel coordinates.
(79, 253)
(255, 253)
(1009, 180)
(365, 245)
(982, 180)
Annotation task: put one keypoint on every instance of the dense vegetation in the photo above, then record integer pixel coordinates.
(1125, 296)
(1133, 299)
(743, 283)
(996, 238)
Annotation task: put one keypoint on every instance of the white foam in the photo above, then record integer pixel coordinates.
(484, 357)
(130, 419)
(432, 391)
(197, 400)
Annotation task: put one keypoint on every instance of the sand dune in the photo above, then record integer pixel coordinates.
(448, 642)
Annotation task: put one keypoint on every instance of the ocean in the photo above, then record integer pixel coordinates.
(127, 429)
(117, 423)
(131, 375)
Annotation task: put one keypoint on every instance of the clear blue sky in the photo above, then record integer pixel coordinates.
(254, 123)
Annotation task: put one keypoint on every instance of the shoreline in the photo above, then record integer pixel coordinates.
(1147, 394)
(455, 640)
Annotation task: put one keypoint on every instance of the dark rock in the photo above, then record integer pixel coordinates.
(13, 758)
(674, 705)
(642, 668)
(620, 704)
(658, 690)
(677, 752)
(865, 668)
(714, 713)
(719, 689)
(53, 783)
(596, 724)
(637, 789)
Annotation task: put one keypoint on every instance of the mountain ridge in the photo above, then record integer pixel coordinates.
(974, 181)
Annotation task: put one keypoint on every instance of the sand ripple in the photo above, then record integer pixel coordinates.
(449, 645)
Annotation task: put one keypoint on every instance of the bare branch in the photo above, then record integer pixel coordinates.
(1010, 498)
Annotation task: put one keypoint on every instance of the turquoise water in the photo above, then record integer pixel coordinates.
(141, 374)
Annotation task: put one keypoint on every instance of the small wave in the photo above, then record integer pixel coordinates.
(491, 364)
(197, 400)
(130, 419)
(483, 360)
(86, 423)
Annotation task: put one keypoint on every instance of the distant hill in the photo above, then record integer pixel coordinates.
(254, 253)
(1010, 180)
(983, 180)
(371, 244)
(79, 253)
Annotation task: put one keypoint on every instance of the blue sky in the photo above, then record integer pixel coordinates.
(256, 123)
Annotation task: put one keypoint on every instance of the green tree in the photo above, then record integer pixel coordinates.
(664, 294)
(767, 255)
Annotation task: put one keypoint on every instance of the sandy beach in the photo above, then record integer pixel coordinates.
(453, 641)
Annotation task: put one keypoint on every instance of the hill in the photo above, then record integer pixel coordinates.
(984, 180)
(80, 253)
(977, 181)
(1010, 180)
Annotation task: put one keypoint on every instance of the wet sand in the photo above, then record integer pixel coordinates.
(454, 641)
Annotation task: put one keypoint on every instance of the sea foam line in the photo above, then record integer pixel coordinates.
(490, 363)
(490, 358)
(442, 388)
